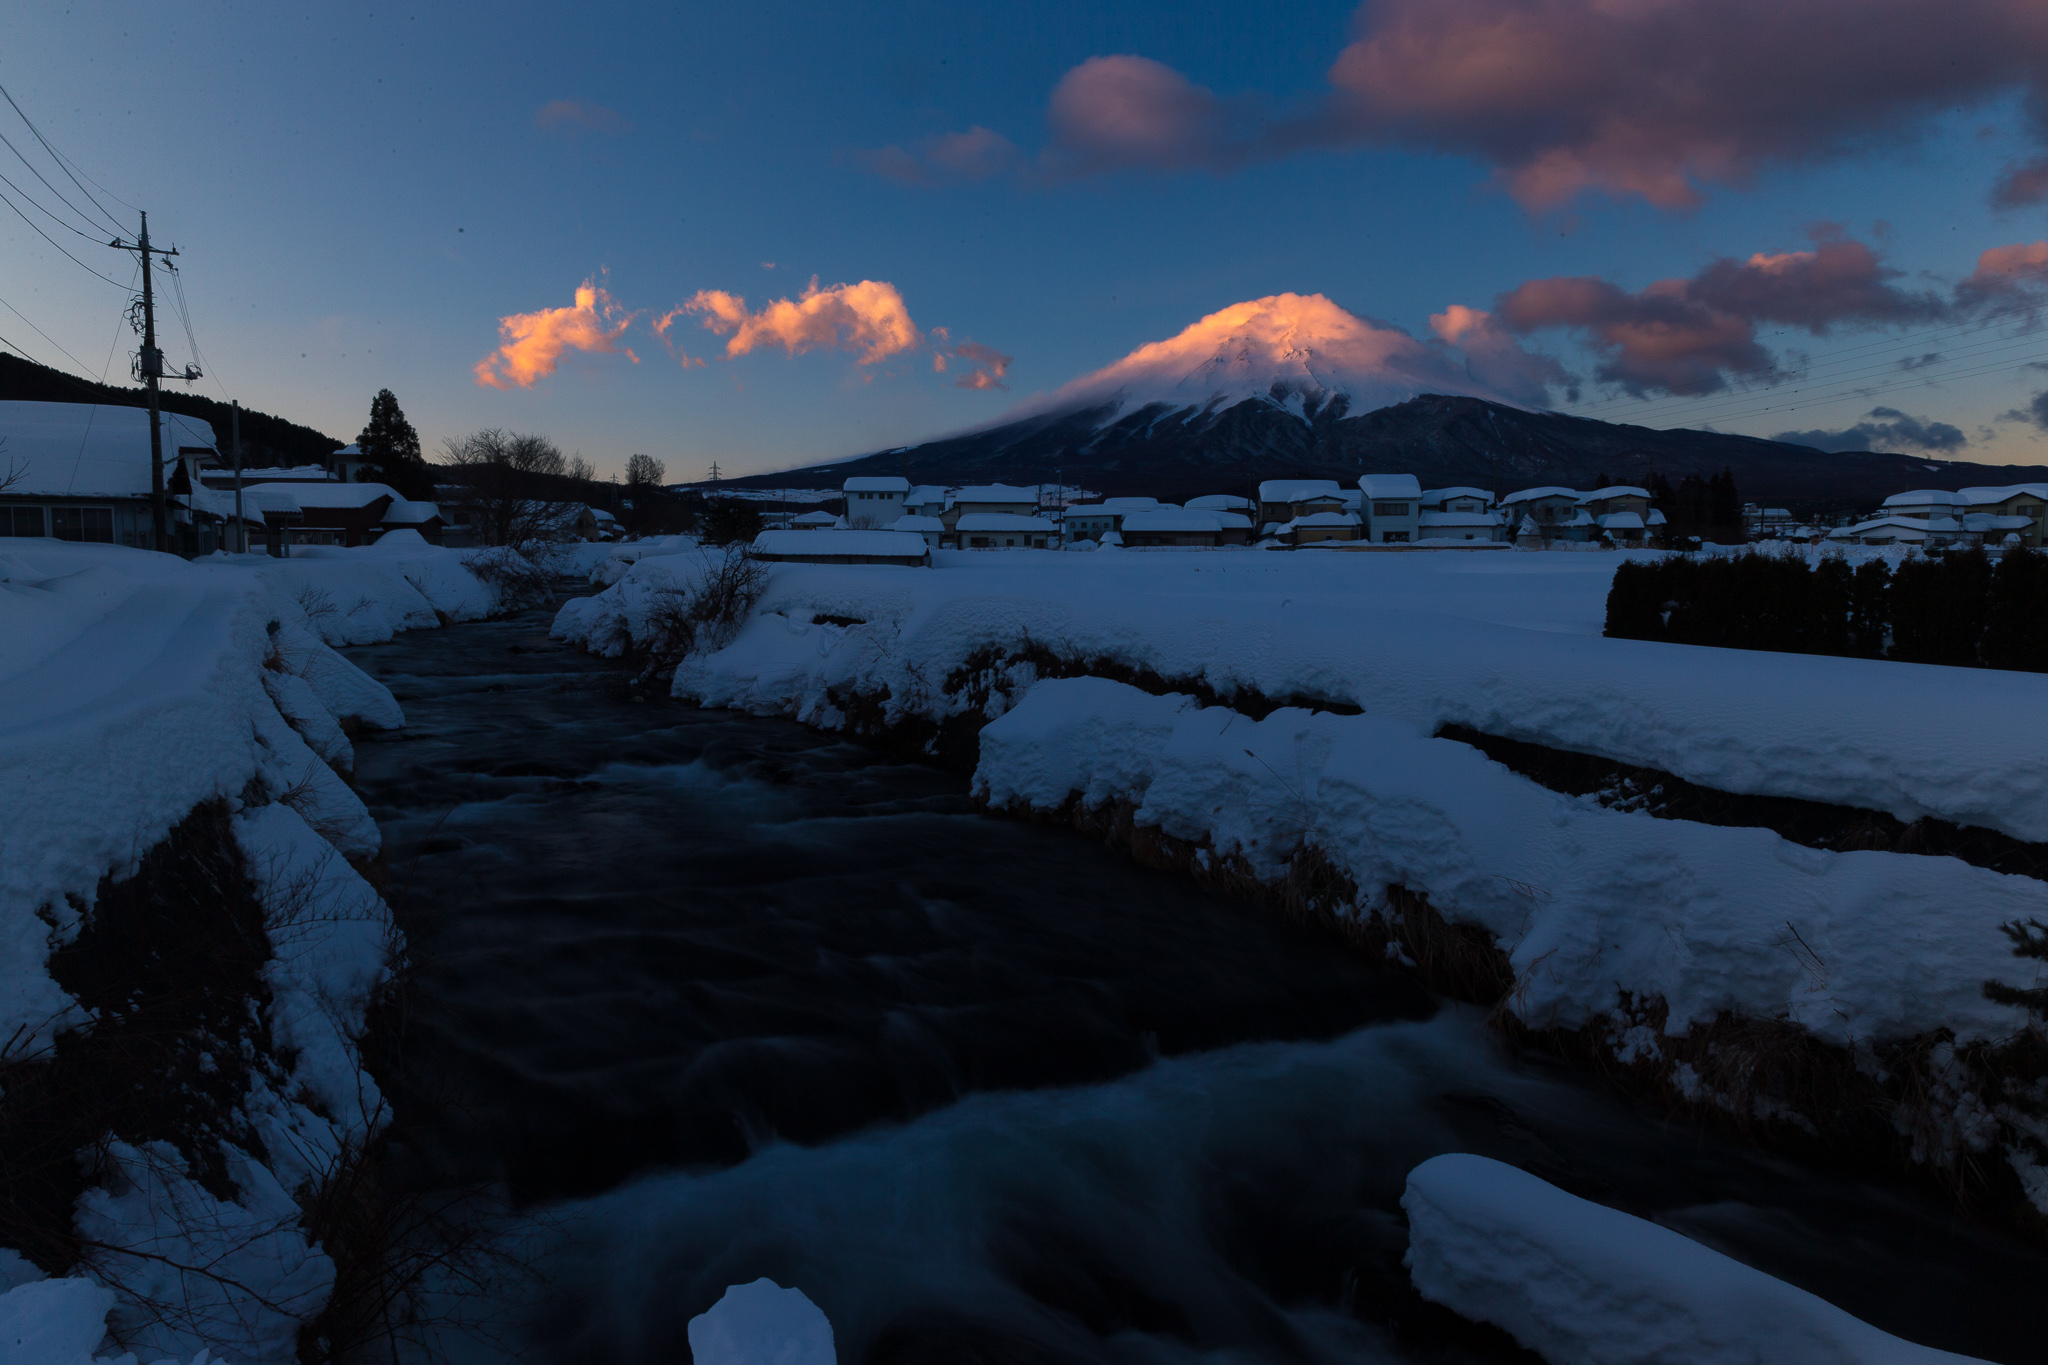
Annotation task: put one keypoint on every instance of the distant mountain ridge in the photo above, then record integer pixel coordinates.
(1442, 439)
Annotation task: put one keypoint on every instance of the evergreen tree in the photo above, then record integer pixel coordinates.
(1724, 509)
(391, 445)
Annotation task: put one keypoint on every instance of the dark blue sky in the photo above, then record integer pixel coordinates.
(362, 192)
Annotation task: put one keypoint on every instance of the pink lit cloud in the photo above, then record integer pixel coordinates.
(574, 117)
(534, 342)
(869, 319)
(1657, 99)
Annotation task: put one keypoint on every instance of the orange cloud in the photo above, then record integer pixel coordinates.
(989, 366)
(868, 318)
(573, 116)
(534, 342)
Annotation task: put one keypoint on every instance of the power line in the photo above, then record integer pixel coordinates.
(44, 335)
(43, 209)
(53, 242)
(62, 165)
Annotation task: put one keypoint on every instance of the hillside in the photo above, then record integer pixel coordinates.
(266, 439)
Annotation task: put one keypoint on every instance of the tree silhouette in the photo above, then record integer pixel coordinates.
(392, 447)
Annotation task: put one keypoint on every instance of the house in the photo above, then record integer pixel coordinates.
(874, 500)
(1458, 499)
(1159, 527)
(1550, 508)
(423, 517)
(590, 523)
(1003, 531)
(1223, 502)
(931, 528)
(1927, 531)
(1000, 498)
(926, 500)
(2029, 500)
(1313, 528)
(329, 514)
(1391, 507)
(1093, 520)
(1282, 500)
(80, 471)
(816, 521)
(1921, 503)
(1459, 526)
(842, 547)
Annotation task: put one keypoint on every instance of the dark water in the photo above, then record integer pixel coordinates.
(714, 997)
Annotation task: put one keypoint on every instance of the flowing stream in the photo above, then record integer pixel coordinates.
(708, 997)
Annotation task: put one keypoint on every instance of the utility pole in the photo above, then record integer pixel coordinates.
(152, 367)
(241, 527)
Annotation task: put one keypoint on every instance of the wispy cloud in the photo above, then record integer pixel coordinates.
(573, 117)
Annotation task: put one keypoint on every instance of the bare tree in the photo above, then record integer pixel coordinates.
(582, 470)
(11, 473)
(644, 470)
(516, 484)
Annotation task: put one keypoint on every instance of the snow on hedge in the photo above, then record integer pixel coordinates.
(1505, 643)
(1588, 902)
(1576, 1281)
(135, 687)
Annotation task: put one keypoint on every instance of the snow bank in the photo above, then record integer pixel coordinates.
(1576, 1281)
(1588, 902)
(135, 687)
(1505, 643)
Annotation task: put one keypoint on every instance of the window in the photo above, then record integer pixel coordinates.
(83, 523)
(978, 542)
(1393, 537)
(1390, 509)
(21, 521)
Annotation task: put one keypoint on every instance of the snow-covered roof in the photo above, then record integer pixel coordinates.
(926, 492)
(297, 473)
(1429, 519)
(1088, 509)
(599, 514)
(406, 513)
(1295, 490)
(1460, 491)
(1617, 490)
(88, 450)
(1656, 517)
(1927, 497)
(1389, 486)
(1531, 494)
(1161, 520)
(994, 492)
(1220, 502)
(1977, 496)
(1325, 519)
(1130, 504)
(1004, 521)
(870, 544)
(876, 483)
(1988, 521)
(814, 519)
(913, 522)
(333, 495)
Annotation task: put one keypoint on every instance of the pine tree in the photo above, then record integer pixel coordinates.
(2029, 940)
(393, 447)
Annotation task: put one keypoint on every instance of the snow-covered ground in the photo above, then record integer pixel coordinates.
(1600, 911)
(134, 688)
(1576, 1281)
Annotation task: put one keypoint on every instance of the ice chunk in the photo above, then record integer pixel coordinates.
(762, 1324)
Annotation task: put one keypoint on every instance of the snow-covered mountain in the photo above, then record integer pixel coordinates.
(1296, 351)
(1293, 386)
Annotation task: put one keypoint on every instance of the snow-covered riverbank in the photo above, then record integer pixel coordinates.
(1151, 680)
(157, 712)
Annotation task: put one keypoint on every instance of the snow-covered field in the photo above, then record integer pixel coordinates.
(1601, 911)
(134, 688)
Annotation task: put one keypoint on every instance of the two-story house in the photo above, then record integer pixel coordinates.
(874, 500)
(1282, 500)
(1550, 509)
(1391, 508)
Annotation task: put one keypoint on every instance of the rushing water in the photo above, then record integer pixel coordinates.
(711, 997)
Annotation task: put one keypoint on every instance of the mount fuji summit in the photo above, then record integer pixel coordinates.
(1295, 386)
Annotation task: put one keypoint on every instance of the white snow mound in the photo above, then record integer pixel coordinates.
(1577, 1281)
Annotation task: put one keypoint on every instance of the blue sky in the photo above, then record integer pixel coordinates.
(360, 193)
